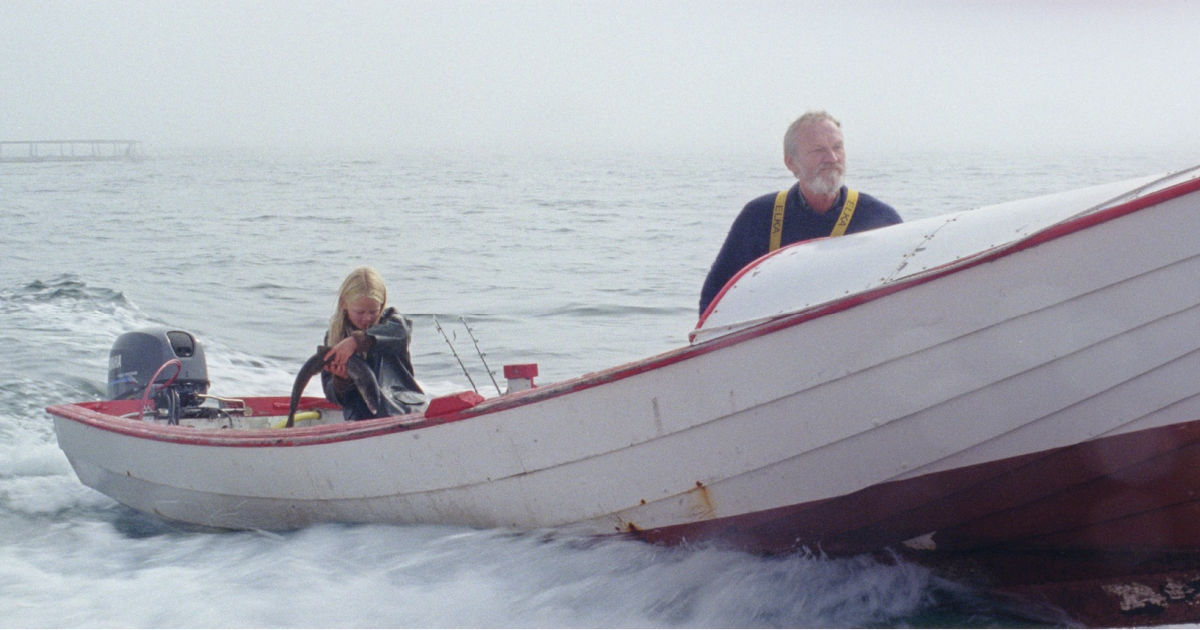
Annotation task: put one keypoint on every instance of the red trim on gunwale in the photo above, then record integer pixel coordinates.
(747, 269)
(1049, 233)
(369, 428)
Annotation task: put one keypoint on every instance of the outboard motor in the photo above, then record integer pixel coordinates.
(139, 356)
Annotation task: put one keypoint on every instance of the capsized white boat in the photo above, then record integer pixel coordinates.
(1018, 384)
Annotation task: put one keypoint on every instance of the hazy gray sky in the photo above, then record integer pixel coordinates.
(675, 75)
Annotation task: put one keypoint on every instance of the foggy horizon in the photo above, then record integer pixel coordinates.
(601, 76)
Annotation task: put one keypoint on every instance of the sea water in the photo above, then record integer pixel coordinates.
(573, 262)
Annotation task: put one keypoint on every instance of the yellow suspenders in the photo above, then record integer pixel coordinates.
(839, 228)
(843, 221)
(777, 220)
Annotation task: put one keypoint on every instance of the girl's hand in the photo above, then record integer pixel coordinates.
(338, 355)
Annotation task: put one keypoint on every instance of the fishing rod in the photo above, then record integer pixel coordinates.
(491, 374)
(455, 353)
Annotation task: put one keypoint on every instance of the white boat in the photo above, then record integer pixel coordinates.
(1017, 384)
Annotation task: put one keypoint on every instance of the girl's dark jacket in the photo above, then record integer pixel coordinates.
(385, 348)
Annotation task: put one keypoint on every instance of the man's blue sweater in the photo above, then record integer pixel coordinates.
(749, 237)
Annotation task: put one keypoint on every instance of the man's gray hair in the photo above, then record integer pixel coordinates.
(793, 130)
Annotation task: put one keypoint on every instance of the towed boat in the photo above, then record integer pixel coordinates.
(1010, 394)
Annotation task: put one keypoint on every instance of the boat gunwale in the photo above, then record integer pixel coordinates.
(1191, 173)
(345, 431)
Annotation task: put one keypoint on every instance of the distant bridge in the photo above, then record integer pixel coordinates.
(69, 150)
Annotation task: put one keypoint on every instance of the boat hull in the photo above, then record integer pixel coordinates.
(1035, 396)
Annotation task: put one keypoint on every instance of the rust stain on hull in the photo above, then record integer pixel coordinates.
(701, 507)
(698, 503)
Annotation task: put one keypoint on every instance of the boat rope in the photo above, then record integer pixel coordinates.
(455, 353)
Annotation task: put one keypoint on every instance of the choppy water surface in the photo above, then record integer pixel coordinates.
(575, 263)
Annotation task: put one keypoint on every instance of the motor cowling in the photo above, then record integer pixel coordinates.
(136, 357)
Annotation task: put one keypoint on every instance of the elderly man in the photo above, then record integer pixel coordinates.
(818, 205)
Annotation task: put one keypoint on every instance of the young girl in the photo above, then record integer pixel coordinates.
(363, 324)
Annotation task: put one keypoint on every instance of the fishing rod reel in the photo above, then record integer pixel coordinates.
(163, 367)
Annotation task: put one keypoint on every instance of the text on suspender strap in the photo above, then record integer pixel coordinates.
(843, 221)
(839, 228)
(777, 220)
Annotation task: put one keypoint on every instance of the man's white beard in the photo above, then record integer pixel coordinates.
(825, 183)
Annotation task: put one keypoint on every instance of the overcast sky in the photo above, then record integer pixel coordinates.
(674, 75)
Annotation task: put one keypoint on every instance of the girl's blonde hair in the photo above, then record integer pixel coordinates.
(362, 282)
